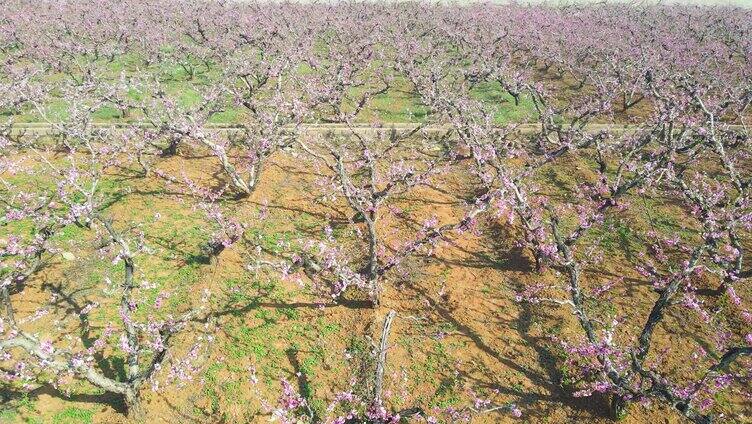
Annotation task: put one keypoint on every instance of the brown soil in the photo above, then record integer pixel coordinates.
(458, 329)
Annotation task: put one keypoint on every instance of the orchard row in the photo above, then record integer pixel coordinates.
(674, 82)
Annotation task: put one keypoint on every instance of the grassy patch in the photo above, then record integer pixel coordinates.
(73, 415)
(503, 104)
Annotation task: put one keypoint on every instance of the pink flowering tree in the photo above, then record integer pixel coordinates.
(366, 172)
(122, 85)
(39, 355)
(664, 157)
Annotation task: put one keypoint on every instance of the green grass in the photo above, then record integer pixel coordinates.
(505, 111)
(8, 416)
(617, 236)
(447, 394)
(73, 415)
(400, 104)
(273, 338)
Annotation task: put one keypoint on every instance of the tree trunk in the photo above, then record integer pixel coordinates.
(538, 261)
(381, 361)
(618, 407)
(5, 295)
(133, 409)
(253, 174)
(373, 280)
(142, 161)
(172, 148)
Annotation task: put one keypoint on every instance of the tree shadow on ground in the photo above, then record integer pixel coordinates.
(545, 375)
(116, 401)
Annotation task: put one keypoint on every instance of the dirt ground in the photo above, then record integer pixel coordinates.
(458, 330)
